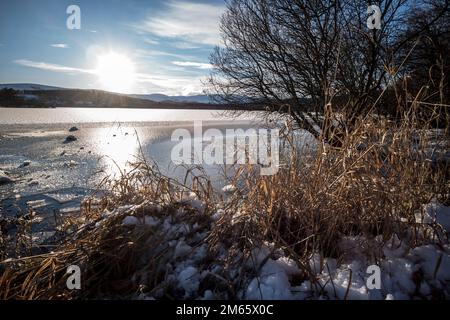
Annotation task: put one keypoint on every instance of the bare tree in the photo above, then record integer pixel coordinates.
(305, 57)
(427, 67)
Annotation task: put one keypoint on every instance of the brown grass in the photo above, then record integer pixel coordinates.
(371, 186)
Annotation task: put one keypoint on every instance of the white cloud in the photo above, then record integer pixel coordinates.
(186, 21)
(146, 83)
(198, 65)
(151, 41)
(142, 53)
(59, 45)
(185, 45)
(170, 85)
(51, 67)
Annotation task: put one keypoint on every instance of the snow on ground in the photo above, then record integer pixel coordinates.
(229, 188)
(421, 272)
(436, 213)
(406, 273)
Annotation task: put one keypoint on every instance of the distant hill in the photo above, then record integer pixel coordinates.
(27, 95)
(157, 97)
(30, 95)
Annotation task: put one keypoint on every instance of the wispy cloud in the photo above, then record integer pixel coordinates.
(51, 67)
(185, 45)
(186, 21)
(59, 45)
(142, 53)
(197, 65)
(146, 83)
(170, 85)
(151, 41)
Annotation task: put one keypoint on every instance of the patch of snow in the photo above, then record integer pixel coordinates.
(434, 263)
(229, 188)
(189, 280)
(192, 200)
(436, 212)
(130, 220)
(208, 295)
(151, 221)
(272, 283)
(182, 249)
(218, 214)
(389, 296)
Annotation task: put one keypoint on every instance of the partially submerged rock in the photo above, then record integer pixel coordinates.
(33, 183)
(70, 138)
(71, 163)
(26, 163)
(4, 178)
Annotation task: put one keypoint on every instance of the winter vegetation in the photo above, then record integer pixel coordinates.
(372, 188)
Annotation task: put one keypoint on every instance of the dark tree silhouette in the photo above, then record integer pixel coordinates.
(307, 57)
(427, 66)
(8, 97)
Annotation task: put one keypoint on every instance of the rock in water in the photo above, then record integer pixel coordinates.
(73, 129)
(70, 138)
(71, 163)
(26, 163)
(33, 183)
(4, 179)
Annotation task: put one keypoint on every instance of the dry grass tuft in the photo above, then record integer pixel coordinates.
(373, 186)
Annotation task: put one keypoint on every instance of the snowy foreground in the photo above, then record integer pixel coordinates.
(407, 272)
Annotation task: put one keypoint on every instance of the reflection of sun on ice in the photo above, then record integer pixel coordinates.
(115, 72)
(118, 148)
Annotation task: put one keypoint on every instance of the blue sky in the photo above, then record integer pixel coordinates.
(168, 43)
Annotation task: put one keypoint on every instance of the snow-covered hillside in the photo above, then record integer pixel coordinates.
(28, 86)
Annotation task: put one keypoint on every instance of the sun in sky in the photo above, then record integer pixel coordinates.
(115, 72)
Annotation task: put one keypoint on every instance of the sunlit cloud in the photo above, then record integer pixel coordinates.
(145, 82)
(51, 67)
(197, 65)
(142, 53)
(151, 41)
(170, 85)
(186, 21)
(185, 45)
(59, 45)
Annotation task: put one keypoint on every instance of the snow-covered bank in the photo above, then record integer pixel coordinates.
(194, 270)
